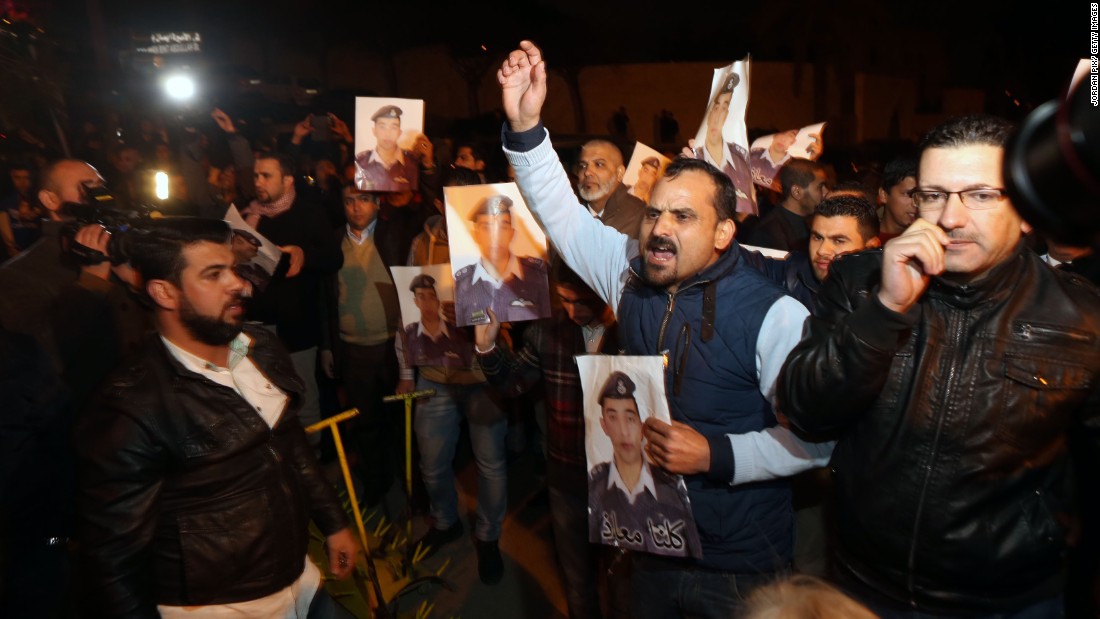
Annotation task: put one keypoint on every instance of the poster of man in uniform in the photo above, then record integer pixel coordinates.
(257, 258)
(723, 140)
(645, 167)
(498, 254)
(631, 503)
(429, 334)
(385, 133)
(770, 152)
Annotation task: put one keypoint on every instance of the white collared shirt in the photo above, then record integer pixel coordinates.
(442, 331)
(711, 161)
(374, 157)
(368, 233)
(242, 376)
(645, 482)
(481, 274)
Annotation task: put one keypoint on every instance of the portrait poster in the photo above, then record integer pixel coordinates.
(770, 152)
(632, 504)
(809, 143)
(257, 257)
(428, 333)
(386, 132)
(498, 255)
(645, 167)
(722, 139)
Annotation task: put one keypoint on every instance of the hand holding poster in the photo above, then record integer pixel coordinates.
(385, 133)
(645, 168)
(257, 258)
(722, 139)
(631, 503)
(429, 335)
(498, 254)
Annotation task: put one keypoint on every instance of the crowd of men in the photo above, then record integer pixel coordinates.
(913, 339)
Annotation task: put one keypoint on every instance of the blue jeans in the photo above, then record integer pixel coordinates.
(662, 589)
(437, 428)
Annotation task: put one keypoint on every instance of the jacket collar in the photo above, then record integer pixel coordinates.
(997, 284)
(260, 354)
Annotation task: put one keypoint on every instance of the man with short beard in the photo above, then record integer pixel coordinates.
(599, 183)
(197, 482)
(681, 291)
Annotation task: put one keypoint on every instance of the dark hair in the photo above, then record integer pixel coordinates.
(898, 170)
(475, 150)
(461, 177)
(967, 131)
(287, 164)
(156, 249)
(562, 275)
(854, 188)
(851, 206)
(797, 172)
(725, 196)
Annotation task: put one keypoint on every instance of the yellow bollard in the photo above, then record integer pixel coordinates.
(380, 609)
(408, 398)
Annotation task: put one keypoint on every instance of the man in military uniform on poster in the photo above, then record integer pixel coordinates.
(387, 167)
(246, 247)
(514, 287)
(432, 340)
(731, 158)
(631, 504)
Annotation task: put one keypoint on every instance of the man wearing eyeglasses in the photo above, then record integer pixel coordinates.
(953, 365)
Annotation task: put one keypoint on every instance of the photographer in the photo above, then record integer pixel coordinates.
(62, 320)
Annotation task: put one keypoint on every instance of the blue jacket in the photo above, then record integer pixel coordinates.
(712, 385)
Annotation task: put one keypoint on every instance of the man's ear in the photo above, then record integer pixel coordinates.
(163, 293)
(882, 196)
(288, 182)
(50, 200)
(874, 241)
(796, 192)
(619, 171)
(724, 233)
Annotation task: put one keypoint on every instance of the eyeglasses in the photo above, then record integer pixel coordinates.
(973, 199)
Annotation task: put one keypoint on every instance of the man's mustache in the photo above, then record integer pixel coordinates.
(660, 244)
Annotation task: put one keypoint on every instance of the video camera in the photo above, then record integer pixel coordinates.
(100, 209)
(1051, 166)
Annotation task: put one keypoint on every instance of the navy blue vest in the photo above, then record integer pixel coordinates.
(710, 328)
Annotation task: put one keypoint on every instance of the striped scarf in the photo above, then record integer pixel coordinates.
(256, 209)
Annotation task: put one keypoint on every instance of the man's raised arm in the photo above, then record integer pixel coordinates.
(600, 255)
(522, 79)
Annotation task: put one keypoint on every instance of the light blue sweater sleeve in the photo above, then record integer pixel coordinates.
(598, 254)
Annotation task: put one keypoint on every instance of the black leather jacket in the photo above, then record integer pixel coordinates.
(952, 471)
(187, 497)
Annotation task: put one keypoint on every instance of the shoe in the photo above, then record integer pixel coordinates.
(490, 566)
(435, 538)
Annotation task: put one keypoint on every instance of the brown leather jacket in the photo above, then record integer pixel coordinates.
(187, 497)
(953, 476)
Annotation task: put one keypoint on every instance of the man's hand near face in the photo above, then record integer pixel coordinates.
(908, 263)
